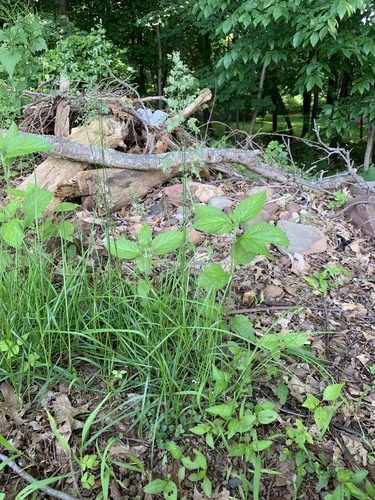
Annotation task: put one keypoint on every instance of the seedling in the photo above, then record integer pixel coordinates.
(327, 278)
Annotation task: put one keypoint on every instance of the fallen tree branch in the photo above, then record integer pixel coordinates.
(30, 479)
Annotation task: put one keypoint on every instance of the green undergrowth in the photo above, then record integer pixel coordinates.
(145, 330)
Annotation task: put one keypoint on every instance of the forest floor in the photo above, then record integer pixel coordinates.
(274, 295)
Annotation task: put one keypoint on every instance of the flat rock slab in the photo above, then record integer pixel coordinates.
(304, 239)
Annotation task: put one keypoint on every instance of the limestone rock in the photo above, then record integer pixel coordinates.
(304, 239)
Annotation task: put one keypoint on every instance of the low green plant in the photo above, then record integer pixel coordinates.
(276, 154)
(328, 278)
(244, 248)
(86, 58)
(347, 486)
(340, 198)
(13, 145)
(21, 44)
(323, 413)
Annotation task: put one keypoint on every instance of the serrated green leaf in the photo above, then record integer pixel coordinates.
(213, 277)
(24, 145)
(212, 220)
(145, 236)
(242, 255)
(12, 233)
(35, 203)
(9, 60)
(241, 325)
(124, 249)
(332, 392)
(167, 242)
(267, 233)
(249, 208)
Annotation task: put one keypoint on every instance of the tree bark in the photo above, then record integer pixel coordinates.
(259, 96)
(306, 111)
(369, 148)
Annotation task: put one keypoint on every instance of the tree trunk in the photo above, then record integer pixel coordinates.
(369, 148)
(160, 70)
(306, 111)
(314, 112)
(259, 96)
(61, 9)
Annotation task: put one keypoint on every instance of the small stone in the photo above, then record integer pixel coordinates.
(258, 189)
(303, 239)
(263, 216)
(203, 193)
(274, 291)
(248, 298)
(292, 206)
(194, 236)
(219, 202)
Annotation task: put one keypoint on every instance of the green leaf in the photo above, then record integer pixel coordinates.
(241, 254)
(210, 440)
(282, 393)
(224, 411)
(167, 242)
(213, 277)
(24, 145)
(266, 416)
(293, 339)
(9, 60)
(124, 249)
(170, 490)
(314, 38)
(233, 427)
(212, 220)
(207, 487)
(174, 450)
(332, 392)
(156, 486)
(9, 210)
(65, 230)
(267, 232)
(321, 416)
(145, 236)
(261, 445)
(12, 233)
(35, 203)
(4, 442)
(66, 206)
(241, 325)
(200, 429)
(249, 208)
(311, 402)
